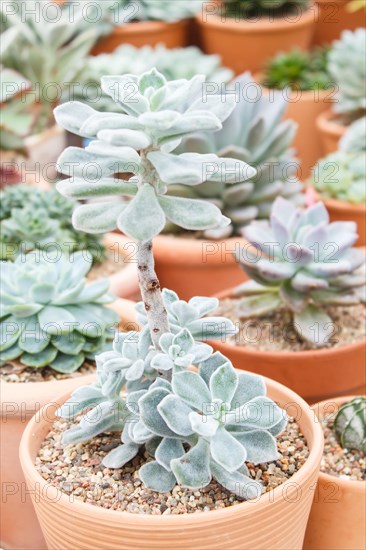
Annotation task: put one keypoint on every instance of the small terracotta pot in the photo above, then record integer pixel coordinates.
(124, 283)
(194, 267)
(304, 108)
(334, 18)
(69, 523)
(245, 45)
(314, 374)
(19, 402)
(142, 33)
(340, 211)
(338, 515)
(330, 130)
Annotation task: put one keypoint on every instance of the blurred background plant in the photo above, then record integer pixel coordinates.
(256, 134)
(35, 219)
(260, 8)
(342, 175)
(298, 70)
(172, 63)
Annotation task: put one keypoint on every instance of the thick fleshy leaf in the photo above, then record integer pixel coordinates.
(190, 387)
(156, 477)
(81, 189)
(192, 214)
(175, 413)
(223, 383)
(42, 359)
(119, 456)
(132, 138)
(314, 325)
(227, 451)
(260, 413)
(67, 363)
(56, 320)
(167, 450)
(249, 386)
(150, 415)
(193, 469)
(143, 218)
(72, 116)
(260, 446)
(204, 425)
(97, 217)
(238, 483)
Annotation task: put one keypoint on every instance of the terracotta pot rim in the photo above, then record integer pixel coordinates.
(359, 486)
(286, 355)
(325, 122)
(266, 499)
(146, 26)
(260, 26)
(343, 206)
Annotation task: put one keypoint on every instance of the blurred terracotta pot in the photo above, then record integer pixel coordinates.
(338, 515)
(195, 267)
(123, 283)
(304, 108)
(70, 523)
(43, 151)
(333, 18)
(245, 45)
(340, 211)
(314, 374)
(330, 130)
(19, 402)
(142, 33)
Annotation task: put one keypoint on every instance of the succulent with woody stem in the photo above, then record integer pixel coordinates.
(307, 264)
(163, 404)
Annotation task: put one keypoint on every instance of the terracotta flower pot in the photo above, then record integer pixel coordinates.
(124, 283)
(70, 524)
(304, 107)
(330, 130)
(245, 45)
(142, 33)
(314, 374)
(19, 402)
(338, 515)
(345, 211)
(194, 267)
(333, 18)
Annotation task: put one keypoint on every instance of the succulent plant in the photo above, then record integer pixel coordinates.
(350, 424)
(347, 68)
(199, 426)
(172, 63)
(342, 175)
(17, 118)
(298, 70)
(163, 401)
(49, 315)
(258, 8)
(33, 219)
(47, 46)
(354, 138)
(254, 133)
(308, 263)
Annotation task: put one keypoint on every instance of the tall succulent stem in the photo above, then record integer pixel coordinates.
(151, 293)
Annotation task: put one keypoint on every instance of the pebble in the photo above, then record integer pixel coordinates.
(88, 480)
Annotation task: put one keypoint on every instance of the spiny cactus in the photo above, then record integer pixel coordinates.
(342, 175)
(49, 315)
(347, 68)
(47, 46)
(258, 8)
(33, 219)
(350, 424)
(199, 426)
(17, 117)
(308, 263)
(254, 133)
(172, 63)
(298, 70)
